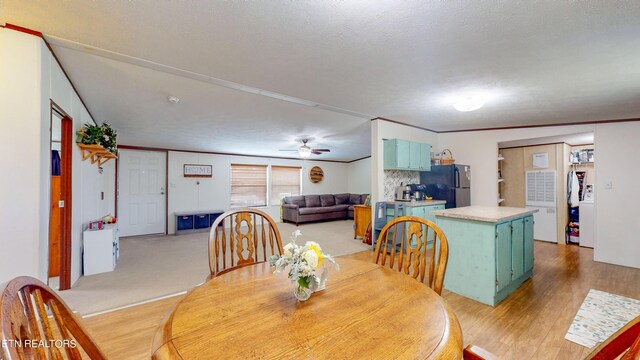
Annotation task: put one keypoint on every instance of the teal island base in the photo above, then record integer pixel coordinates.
(490, 251)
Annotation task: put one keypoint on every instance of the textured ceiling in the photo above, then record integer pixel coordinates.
(536, 62)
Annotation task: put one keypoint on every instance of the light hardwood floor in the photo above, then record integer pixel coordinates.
(529, 324)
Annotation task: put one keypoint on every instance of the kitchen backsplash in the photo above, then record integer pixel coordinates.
(394, 178)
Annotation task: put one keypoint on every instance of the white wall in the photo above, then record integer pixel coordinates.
(87, 182)
(359, 176)
(31, 78)
(381, 129)
(479, 149)
(215, 193)
(617, 214)
(21, 148)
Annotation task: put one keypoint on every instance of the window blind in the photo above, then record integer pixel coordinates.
(248, 185)
(285, 181)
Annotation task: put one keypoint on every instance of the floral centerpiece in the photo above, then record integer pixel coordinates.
(304, 262)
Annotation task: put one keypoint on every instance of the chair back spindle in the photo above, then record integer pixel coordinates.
(412, 241)
(36, 324)
(242, 237)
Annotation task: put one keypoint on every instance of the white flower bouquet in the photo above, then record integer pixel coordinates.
(303, 262)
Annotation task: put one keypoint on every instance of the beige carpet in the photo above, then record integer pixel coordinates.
(156, 266)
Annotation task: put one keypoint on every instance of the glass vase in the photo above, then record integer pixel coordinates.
(301, 293)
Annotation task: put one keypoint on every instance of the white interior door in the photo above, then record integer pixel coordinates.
(141, 192)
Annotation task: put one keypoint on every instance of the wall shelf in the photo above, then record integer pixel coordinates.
(500, 178)
(97, 153)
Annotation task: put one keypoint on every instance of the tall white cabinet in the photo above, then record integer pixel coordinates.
(101, 249)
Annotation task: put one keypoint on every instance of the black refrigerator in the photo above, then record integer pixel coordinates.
(451, 183)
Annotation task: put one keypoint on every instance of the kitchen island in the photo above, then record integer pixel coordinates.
(490, 250)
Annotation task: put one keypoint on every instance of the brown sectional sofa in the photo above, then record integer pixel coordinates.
(305, 208)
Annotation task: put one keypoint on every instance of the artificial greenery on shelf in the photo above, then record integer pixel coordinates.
(103, 135)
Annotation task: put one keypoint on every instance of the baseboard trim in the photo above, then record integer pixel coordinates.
(136, 304)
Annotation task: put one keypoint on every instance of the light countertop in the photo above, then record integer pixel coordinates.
(418, 203)
(493, 214)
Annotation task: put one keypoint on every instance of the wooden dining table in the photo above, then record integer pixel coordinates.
(366, 311)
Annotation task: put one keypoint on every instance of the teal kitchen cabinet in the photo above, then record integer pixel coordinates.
(406, 155)
(396, 154)
(424, 211)
(420, 209)
(528, 243)
(503, 255)
(414, 155)
(490, 251)
(517, 248)
(425, 157)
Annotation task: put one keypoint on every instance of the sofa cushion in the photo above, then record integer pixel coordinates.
(315, 210)
(327, 200)
(354, 199)
(343, 207)
(341, 199)
(297, 200)
(312, 200)
(363, 198)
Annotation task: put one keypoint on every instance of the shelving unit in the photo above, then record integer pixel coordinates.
(97, 153)
(582, 161)
(500, 178)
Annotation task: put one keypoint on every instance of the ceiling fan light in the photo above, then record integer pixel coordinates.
(304, 151)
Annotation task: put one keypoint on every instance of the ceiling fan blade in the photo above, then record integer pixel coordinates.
(321, 150)
(291, 150)
(316, 152)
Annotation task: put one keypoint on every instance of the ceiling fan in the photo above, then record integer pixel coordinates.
(305, 151)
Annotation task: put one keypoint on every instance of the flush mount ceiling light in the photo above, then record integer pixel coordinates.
(173, 99)
(468, 104)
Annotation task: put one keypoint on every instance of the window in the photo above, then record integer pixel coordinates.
(248, 185)
(285, 181)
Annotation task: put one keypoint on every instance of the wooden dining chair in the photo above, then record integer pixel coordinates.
(625, 342)
(408, 239)
(368, 234)
(32, 313)
(242, 237)
(472, 352)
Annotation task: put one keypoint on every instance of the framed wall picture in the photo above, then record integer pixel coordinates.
(194, 170)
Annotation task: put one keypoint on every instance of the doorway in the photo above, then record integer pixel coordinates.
(537, 173)
(142, 177)
(59, 245)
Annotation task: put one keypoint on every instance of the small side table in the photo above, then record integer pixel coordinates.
(361, 218)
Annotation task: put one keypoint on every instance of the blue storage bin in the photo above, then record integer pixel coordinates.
(213, 217)
(185, 222)
(201, 221)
